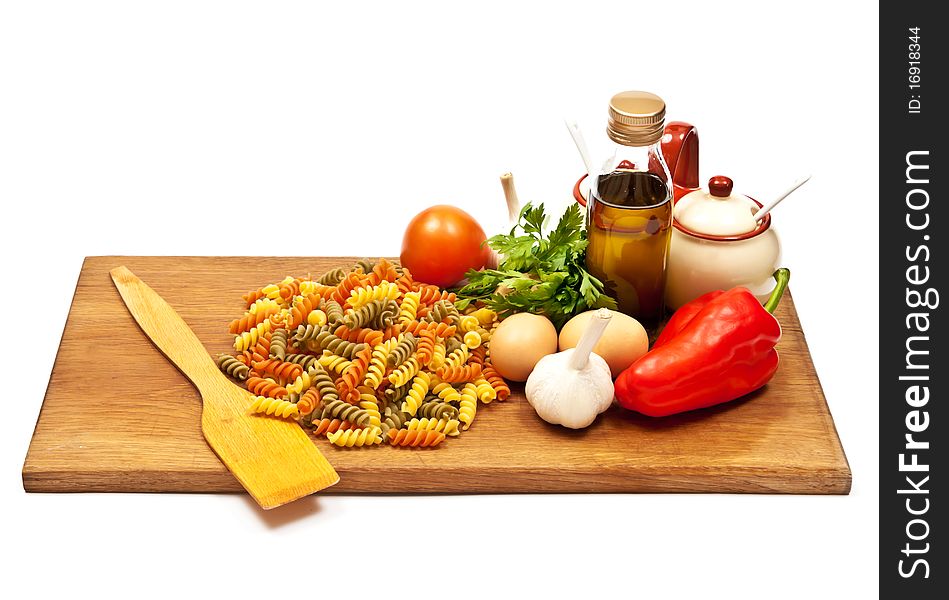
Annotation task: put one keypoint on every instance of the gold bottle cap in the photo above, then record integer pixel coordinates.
(636, 118)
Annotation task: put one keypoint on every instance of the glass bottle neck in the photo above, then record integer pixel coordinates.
(639, 158)
(634, 177)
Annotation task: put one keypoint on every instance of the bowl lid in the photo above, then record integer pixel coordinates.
(718, 211)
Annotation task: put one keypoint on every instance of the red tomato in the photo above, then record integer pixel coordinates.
(441, 243)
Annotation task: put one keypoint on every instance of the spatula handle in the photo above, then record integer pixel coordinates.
(166, 329)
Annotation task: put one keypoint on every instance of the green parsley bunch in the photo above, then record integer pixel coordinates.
(539, 274)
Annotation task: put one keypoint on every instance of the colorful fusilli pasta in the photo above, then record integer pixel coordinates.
(233, 367)
(446, 426)
(416, 394)
(273, 406)
(364, 355)
(415, 438)
(347, 438)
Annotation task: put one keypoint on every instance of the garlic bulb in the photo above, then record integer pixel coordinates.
(572, 387)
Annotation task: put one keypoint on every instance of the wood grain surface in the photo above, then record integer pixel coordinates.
(118, 416)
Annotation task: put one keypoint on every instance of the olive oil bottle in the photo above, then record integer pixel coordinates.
(629, 213)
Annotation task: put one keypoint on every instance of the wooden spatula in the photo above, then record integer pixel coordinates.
(273, 459)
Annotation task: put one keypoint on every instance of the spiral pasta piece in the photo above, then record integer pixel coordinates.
(308, 288)
(301, 384)
(408, 310)
(233, 367)
(459, 374)
(362, 296)
(436, 409)
(372, 314)
(278, 369)
(323, 384)
(259, 311)
(272, 406)
(403, 349)
(468, 323)
(251, 297)
(304, 360)
(338, 409)
(406, 283)
(392, 331)
(405, 372)
(288, 288)
(453, 343)
(486, 393)
(348, 438)
(307, 333)
(346, 286)
(249, 338)
(359, 335)
(377, 365)
(317, 317)
(308, 402)
(272, 291)
(352, 376)
(301, 309)
(445, 391)
(319, 338)
(442, 330)
(497, 382)
(472, 339)
(458, 357)
(430, 294)
(260, 386)
(368, 402)
(332, 277)
(485, 316)
(442, 311)
(383, 270)
(331, 362)
(334, 312)
(416, 438)
(438, 355)
(363, 265)
(416, 394)
(468, 406)
(478, 355)
(394, 393)
(324, 426)
(278, 343)
(425, 348)
(447, 426)
(256, 354)
(388, 318)
(393, 418)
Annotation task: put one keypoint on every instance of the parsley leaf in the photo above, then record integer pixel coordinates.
(544, 275)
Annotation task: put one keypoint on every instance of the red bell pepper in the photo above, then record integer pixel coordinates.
(682, 317)
(720, 347)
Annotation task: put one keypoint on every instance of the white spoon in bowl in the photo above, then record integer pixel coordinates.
(767, 207)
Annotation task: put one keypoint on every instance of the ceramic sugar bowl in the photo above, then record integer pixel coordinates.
(717, 245)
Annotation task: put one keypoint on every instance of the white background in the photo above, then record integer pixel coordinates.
(274, 128)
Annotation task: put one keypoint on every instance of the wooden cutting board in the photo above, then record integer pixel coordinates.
(119, 417)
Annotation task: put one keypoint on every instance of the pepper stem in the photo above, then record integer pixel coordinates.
(781, 276)
(592, 335)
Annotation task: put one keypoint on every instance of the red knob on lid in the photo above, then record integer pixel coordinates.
(720, 186)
